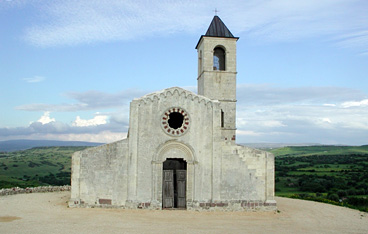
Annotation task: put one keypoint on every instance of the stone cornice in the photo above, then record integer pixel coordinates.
(175, 91)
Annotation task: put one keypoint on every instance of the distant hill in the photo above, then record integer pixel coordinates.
(14, 145)
(276, 145)
(322, 150)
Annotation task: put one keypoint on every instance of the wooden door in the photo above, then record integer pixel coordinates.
(181, 177)
(168, 189)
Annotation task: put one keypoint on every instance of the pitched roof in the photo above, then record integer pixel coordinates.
(218, 28)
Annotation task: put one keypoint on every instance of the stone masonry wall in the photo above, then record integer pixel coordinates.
(41, 189)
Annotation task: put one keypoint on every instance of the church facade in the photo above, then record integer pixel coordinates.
(180, 151)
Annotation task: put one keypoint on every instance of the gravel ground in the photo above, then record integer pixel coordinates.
(48, 213)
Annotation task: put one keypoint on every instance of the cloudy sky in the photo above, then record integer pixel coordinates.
(69, 68)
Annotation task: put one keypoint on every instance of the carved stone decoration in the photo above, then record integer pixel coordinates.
(175, 121)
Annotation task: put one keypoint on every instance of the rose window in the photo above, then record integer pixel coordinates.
(175, 121)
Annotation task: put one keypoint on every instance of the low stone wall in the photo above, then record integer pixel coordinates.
(234, 206)
(41, 189)
(195, 206)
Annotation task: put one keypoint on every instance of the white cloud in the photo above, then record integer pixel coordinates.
(90, 100)
(68, 22)
(323, 123)
(362, 103)
(35, 79)
(265, 113)
(360, 125)
(97, 120)
(262, 121)
(273, 123)
(45, 118)
(95, 129)
(355, 39)
(102, 137)
(84, 21)
(268, 94)
(327, 120)
(248, 133)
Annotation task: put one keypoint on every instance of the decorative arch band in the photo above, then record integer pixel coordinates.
(187, 152)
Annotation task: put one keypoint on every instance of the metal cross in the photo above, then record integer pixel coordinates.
(216, 11)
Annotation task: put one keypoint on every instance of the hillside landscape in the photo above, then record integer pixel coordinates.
(14, 145)
(37, 166)
(332, 174)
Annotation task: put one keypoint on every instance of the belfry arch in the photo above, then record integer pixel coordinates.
(172, 150)
(219, 58)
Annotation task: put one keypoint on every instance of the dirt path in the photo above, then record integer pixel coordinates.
(48, 213)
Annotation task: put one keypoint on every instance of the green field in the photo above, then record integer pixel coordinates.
(338, 174)
(36, 166)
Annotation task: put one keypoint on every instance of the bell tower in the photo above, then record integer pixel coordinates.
(217, 72)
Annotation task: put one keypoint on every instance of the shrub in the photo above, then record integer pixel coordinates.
(342, 193)
(333, 197)
(360, 192)
(356, 201)
(351, 192)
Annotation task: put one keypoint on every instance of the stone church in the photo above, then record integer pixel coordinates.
(180, 151)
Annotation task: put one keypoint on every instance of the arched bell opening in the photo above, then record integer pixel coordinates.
(219, 59)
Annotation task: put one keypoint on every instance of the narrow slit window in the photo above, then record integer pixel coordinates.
(200, 62)
(222, 119)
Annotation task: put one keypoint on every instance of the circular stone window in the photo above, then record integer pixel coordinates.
(175, 121)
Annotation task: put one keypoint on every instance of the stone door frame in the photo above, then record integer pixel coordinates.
(165, 151)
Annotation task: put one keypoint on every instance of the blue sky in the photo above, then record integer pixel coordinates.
(69, 69)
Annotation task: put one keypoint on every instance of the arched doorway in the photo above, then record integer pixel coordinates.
(174, 182)
(172, 150)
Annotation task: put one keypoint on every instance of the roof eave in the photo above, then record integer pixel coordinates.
(237, 38)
